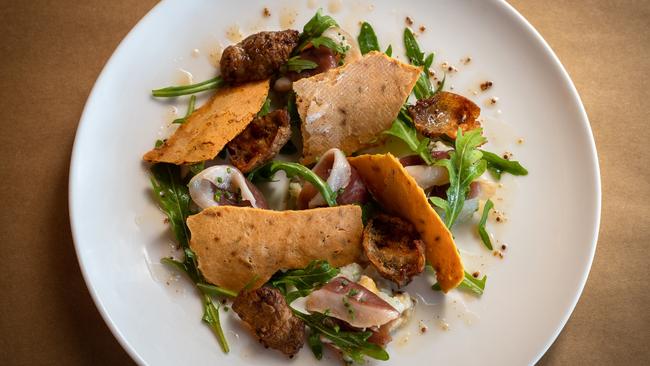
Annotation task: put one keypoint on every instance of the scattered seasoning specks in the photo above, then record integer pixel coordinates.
(486, 85)
(409, 21)
(423, 327)
(520, 140)
(266, 12)
(476, 274)
(494, 100)
(499, 216)
(507, 155)
(466, 60)
(422, 28)
(504, 247)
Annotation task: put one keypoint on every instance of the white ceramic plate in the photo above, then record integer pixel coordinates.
(553, 213)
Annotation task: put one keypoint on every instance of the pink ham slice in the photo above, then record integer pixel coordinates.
(340, 177)
(352, 303)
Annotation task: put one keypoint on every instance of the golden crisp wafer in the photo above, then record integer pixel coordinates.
(211, 127)
(348, 107)
(397, 192)
(236, 244)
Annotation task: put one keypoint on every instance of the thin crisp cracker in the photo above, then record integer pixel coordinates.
(348, 107)
(397, 192)
(211, 127)
(236, 244)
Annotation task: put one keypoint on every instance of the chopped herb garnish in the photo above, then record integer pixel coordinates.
(497, 165)
(485, 237)
(266, 172)
(176, 91)
(367, 39)
(349, 307)
(159, 143)
(219, 180)
(389, 50)
(190, 109)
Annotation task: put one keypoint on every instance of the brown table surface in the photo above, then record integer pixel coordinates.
(52, 53)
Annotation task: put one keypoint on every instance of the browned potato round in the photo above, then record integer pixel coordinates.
(443, 113)
(394, 247)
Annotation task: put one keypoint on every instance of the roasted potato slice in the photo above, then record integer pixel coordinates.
(394, 247)
(443, 113)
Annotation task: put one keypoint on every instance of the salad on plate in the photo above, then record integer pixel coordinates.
(322, 177)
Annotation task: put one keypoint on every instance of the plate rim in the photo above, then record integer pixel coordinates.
(515, 16)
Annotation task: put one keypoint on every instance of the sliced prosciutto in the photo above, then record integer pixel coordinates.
(224, 185)
(352, 303)
(340, 176)
(425, 175)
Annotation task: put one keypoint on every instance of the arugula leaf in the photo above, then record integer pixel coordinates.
(175, 91)
(315, 343)
(485, 237)
(329, 43)
(469, 283)
(213, 290)
(298, 64)
(407, 133)
(473, 284)
(190, 109)
(318, 24)
(211, 317)
(173, 198)
(354, 345)
(423, 88)
(464, 166)
(367, 39)
(266, 108)
(316, 274)
(498, 165)
(416, 57)
(266, 172)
